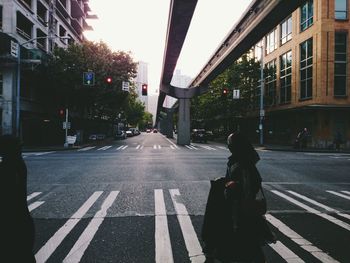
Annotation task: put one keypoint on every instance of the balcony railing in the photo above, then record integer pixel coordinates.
(22, 33)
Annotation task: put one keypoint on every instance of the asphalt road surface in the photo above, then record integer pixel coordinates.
(143, 199)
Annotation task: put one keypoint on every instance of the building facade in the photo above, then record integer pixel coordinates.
(307, 85)
(33, 28)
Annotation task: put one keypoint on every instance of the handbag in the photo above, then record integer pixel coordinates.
(256, 206)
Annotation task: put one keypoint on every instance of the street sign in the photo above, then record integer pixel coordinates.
(235, 94)
(262, 113)
(14, 49)
(125, 86)
(66, 125)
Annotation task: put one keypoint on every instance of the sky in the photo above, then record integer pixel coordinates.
(139, 27)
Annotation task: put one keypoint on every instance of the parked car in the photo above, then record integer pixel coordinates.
(129, 133)
(93, 137)
(120, 135)
(101, 136)
(198, 135)
(148, 130)
(209, 135)
(155, 130)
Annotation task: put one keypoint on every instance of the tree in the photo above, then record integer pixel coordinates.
(63, 84)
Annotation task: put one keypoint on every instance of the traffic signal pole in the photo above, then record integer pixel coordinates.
(66, 130)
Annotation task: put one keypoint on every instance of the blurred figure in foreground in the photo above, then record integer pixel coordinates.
(234, 227)
(17, 231)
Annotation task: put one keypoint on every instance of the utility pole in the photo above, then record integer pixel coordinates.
(261, 113)
(51, 25)
(66, 130)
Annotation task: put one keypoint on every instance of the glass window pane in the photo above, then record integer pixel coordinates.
(339, 85)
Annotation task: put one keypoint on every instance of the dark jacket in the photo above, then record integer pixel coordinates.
(18, 226)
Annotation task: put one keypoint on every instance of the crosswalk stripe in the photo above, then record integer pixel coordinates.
(191, 241)
(43, 153)
(319, 204)
(313, 211)
(124, 147)
(339, 194)
(162, 237)
(288, 255)
(50, 246)
(303, 243)
(208, 147)
(138, 147)
(76, 253)
(32, 195)
(346, 192)
(35, 205)
(86, 148)
(120, 147)
(222, 148)
(172, 147)
(104, 148)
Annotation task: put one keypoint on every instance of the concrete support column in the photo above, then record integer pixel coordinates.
(170, 124)
(184, 123)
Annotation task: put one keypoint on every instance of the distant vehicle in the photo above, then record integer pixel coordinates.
(198, 135)
(120, 135)
(148, 130)
(93, 137)
(209, 135)
(129, 133)
(155, 130)
(100, 136)
(134, 131)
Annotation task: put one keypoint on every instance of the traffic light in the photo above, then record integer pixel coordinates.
(61, 113)
(224, 92)
(109, 80)
(89, 78)
(144, 89)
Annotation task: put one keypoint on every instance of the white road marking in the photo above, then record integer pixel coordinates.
(172, 147)
(154, 146)
(313, 211)
(120, 147)
(346, 192)
(303, 243)
(76, 253)
(173, 144)
(86, 148)
(32, 195)
(35, 205)
(339, 194)
(208, 148)
(320, 205)
(104, 148)
(288, 255)
(222, 148)
(123, 147)
(43, 153)
(191, 147)
(138, 147)
(50, 246)
(191, 241)
(162, 236)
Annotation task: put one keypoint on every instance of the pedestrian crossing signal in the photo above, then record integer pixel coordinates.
(88, 78)
(144, 89)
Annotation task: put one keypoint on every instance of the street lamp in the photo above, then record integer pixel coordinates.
(18, 108)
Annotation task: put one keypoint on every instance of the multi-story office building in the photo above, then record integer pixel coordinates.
(33, 28)
(308, 82)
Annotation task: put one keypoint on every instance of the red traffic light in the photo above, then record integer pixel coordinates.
(109, 80)
(144, 89)
(61, 112)
(224, 91)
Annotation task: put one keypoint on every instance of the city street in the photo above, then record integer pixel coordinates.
(144, 198)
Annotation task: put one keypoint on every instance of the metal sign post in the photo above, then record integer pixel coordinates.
(66, 130)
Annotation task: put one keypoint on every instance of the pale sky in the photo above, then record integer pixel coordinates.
(140, 26)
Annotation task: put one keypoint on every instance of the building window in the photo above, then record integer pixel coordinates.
(285, 77)
(340, 61)
(271, 41)
(341, 9)
(307, 15)
(270, 83)
(286, 30)
(306, 69)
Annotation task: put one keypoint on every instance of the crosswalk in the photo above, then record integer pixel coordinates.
(168, 200)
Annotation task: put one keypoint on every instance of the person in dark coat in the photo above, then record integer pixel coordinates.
(18, 227)
(230, 231)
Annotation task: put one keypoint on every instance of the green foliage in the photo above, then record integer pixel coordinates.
(215, 110)
(63, 80)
